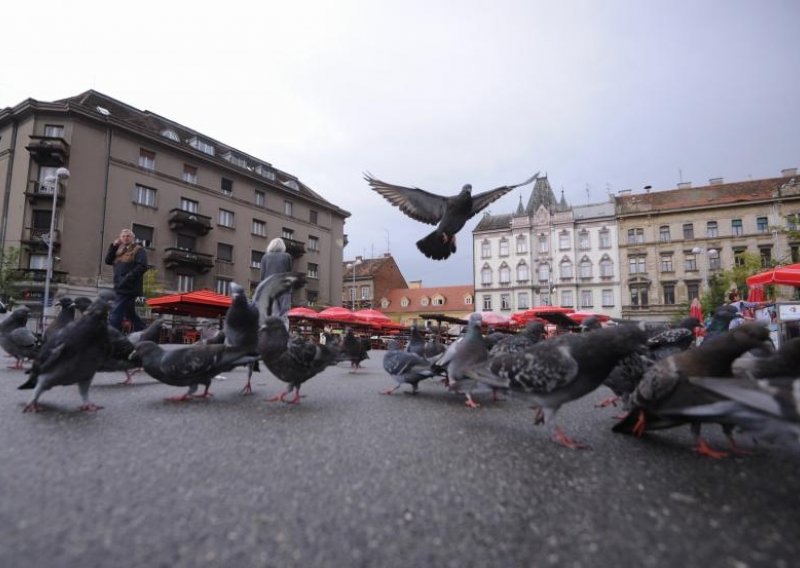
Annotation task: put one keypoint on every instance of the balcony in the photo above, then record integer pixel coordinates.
(48, 151)
(294, 248)
(182, 258)
(182, 220)
(26, 276)
(35, 239)
(42, 192)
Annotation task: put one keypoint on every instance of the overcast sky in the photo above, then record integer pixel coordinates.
(600, 95)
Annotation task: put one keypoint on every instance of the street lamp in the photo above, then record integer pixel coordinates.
(352, 266)
(53, 180)
(705, 265)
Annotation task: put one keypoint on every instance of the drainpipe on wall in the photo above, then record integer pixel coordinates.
(105, 206)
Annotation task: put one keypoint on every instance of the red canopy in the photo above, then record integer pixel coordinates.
(788, 275)
(199, 304)
(337, 314)
(491, 318)
(580, 316)
(302, 312)
(372, 316)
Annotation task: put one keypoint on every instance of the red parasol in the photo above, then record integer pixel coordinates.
(372, 316)
(580, 316)
(337, 314)
(302, 312)
(491, 318)
(755, 294)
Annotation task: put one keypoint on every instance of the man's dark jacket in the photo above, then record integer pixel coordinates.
(129, 268)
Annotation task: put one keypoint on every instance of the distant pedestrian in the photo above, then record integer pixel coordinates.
(129, 260)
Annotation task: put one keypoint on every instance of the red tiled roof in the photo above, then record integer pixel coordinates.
(453, 299)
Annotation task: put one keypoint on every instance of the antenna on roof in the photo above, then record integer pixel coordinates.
(587, 193)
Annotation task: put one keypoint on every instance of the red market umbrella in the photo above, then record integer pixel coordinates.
(788, 275)
(578, 317)
(338, 314)
(491, 318)
(755, 294)
(302, 312)
(372, 316)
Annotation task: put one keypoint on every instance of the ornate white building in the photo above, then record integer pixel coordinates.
(548, 253)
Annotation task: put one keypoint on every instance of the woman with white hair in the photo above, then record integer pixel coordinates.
(275, 261)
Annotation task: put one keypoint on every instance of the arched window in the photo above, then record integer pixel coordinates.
(585, 268)
(504, 247)
(486, 275)
(505, 274)
(544, 273)
(404, 302)
(523, 274)
(522, 244)
(486, 249)
(565, 269)
(606, 267)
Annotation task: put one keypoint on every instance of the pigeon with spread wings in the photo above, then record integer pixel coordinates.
(449, 214)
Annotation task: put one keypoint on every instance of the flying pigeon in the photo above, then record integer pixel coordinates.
(448, 213)
(72, 356)
(189, 366)
(665, 388)
(559, 370)
(405, 367)
(16, 339)
(292, 360)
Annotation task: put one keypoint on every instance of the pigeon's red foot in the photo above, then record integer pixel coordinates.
(128, 379)
(206, 395)
(90, 407)
(33, 407)
(389, 391)
(277, 397)
(469, 403)
(736, 450)
(181, 398)
(641, 425)
(702, 448)
(610, 401)
(247, 390)
(561, 438)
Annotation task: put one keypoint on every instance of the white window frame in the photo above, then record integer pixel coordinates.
(226, 218)
(145, 196)
(185, 283)
(259, 228)
(189, 205)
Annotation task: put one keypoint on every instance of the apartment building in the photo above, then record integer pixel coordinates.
(204, 210)
(367, 280)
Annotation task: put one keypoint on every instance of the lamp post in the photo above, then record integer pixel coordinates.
(352, 266)
(60, 173)
(704, 267)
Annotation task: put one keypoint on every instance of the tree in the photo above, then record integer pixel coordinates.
(720, 283)
(9, 272)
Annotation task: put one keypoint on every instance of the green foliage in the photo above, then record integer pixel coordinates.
(151, 287)
(9, 273)
(721, 283)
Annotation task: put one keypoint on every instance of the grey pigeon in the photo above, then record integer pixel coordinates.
(353, 349)
(189, 366)
(65, 316)
(785, 362)
(560, 370)
(405, 367)
(665, 389)
(591, 323)
(416, 342)
(121, 356)
(675, 340)
(292, 360)
(16, 339)
(82, 302)
(466, 362)
(527, 338)
(450, 213)
(72, 356)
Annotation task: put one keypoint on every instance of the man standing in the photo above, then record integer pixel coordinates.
(130, 263)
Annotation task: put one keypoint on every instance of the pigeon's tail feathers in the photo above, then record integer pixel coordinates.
(437, 245)
(484, 375)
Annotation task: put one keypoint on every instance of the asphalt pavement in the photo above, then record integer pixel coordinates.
(350, 477)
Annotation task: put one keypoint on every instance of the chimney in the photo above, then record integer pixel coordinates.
(624, 192)
(359, 259)
(715, 181)
(414, 284)
(789, 172)
(685, 185)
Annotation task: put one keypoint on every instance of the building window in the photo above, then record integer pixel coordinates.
(666, 263)
(522, 301)
(635, 236)
(366, 293)
(313, 243)
(226, 218)
(587, 299)
(265, 171)
(438, 301)
(202, 145)
(144, 235)
(404, 302)
(522, 244)
(313, 216)
(585, 268)
(222, 286)
(504, 247)
(761, 224)
(486, 249)
(563, 241)
(792, 221)
(185, 283)
(544, 273)
(669, 294)
(737, 230)
(690, 262)
(505, 301)
(226, 185)
(543, 244)
(189, 205)
(505, 275)
(606, 268)
(605, 239)
(313, 270)
(384, 303)
(766, 256)
(584, 242)
(224, 252)
(663, 233)
(487, 303)
(255, 258)
(37, 262)
(607, 298)
(639, 296)
(714, 262)
(637, 264)
(712, 230)
(692, 290)
(794, 251)
(145, 196)
(53, 130)
(288, 208)
(467, 300)
(287, 233)
(565, 269)
(147, 159)
(688, 231)
(523, 274)
(259, 228)
(185, 242)
(424, 301)
(171, 134)
(189, 174)
(566, 299)
(486, 276)
(261, 199)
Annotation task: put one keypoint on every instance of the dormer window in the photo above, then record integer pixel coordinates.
(171, 134)
(235, 159)
(202, 145)
(291, 184)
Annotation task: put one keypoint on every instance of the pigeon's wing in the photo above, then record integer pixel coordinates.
(190, 361)
(417, 203)
(482, 200)
(538, 370)
(23, 337)
(775, 397)
(273, 286)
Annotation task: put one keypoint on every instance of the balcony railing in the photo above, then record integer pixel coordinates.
(182, 258)
(48, 151)
(182, 220)
(294, 248)
(36, 238)
(21, 275)
(38, 191)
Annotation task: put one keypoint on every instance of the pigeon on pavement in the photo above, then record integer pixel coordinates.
(16, 339)
(559, 370)
(72, 356)
(451, 213)
(353, 349)
(785, 362)
(121, 356)
(405, 367)
(189, 366)
(65, 316)
(665, 390)
(675, 340)
(527, 338)
(416, 342)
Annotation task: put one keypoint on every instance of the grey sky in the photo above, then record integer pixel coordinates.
(604, 95)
